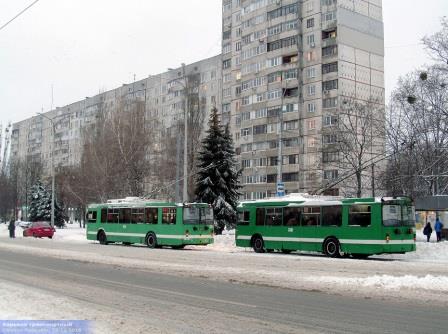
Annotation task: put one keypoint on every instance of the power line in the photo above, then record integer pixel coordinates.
(23, 11)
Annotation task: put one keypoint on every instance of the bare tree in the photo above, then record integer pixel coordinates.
(437, 44)
(358, 141)
(115, 159)
(171, 143)
(417, 131)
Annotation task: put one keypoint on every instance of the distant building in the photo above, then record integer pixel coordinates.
(162, 96)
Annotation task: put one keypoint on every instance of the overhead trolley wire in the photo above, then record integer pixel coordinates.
(21, 12)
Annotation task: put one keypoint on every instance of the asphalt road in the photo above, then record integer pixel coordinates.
(159, 302)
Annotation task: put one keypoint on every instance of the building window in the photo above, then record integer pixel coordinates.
(226, 48)
(290, 74)
(311, 56)
(329, 68)
(330, 120)
(330, 139)
(227, 63)
(310, 23)
(330, 174)
(311, 107)
(329, 51)
(331, 102)
(312, 124)
(330, 85)
(310, 40)
(311, 90)
(330, 157)
(311, 72)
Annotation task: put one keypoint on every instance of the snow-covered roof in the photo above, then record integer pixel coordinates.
(297, 197)
(315, 203)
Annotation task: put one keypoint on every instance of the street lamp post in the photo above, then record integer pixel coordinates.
(52, 167)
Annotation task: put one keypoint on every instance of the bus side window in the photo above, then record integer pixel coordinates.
(311, 216)
(151, 215)
(169, 216)
(332, 216)
(125, 216)
(103, 215)
(138, 216)
(360, 215)
(260, 217)
(243, 218)
(291, 216)
(274, 216)
(113, 216)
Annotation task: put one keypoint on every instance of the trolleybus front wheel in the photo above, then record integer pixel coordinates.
(331, 247)
(151, 240)
(258, 244)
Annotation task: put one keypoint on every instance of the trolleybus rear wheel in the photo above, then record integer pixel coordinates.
(102, 238)
(331, 248)
(151, 240)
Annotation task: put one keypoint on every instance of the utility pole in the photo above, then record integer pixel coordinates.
(185, 188)
(280, 185)
(373, 180)
(177, 169)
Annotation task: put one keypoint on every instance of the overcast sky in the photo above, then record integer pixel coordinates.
(84, 46)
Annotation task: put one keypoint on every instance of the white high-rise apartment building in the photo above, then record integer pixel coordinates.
(162, 96)
(287, 66)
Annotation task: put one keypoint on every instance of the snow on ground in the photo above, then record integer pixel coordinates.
(26, 303)
(422, 272)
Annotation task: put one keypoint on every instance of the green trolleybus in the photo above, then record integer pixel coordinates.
(359, 227)
(154, 223)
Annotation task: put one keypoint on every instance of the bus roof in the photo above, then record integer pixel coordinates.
(135, 202)
(292, 200)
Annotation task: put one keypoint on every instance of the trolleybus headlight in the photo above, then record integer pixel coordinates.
(387, 237)
(187, 233)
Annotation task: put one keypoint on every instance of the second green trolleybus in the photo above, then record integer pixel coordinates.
(359, 226)
(151, 222)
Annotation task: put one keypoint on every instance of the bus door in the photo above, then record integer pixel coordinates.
(291, 231)
(273, 230)
(125, 225)
(361, 231)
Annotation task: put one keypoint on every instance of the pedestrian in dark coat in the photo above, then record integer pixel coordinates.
(12, 229)
(427, 231)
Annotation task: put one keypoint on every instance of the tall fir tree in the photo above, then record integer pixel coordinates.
(217, 181)
(40, 206)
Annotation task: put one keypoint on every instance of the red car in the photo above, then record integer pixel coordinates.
(39, 230)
